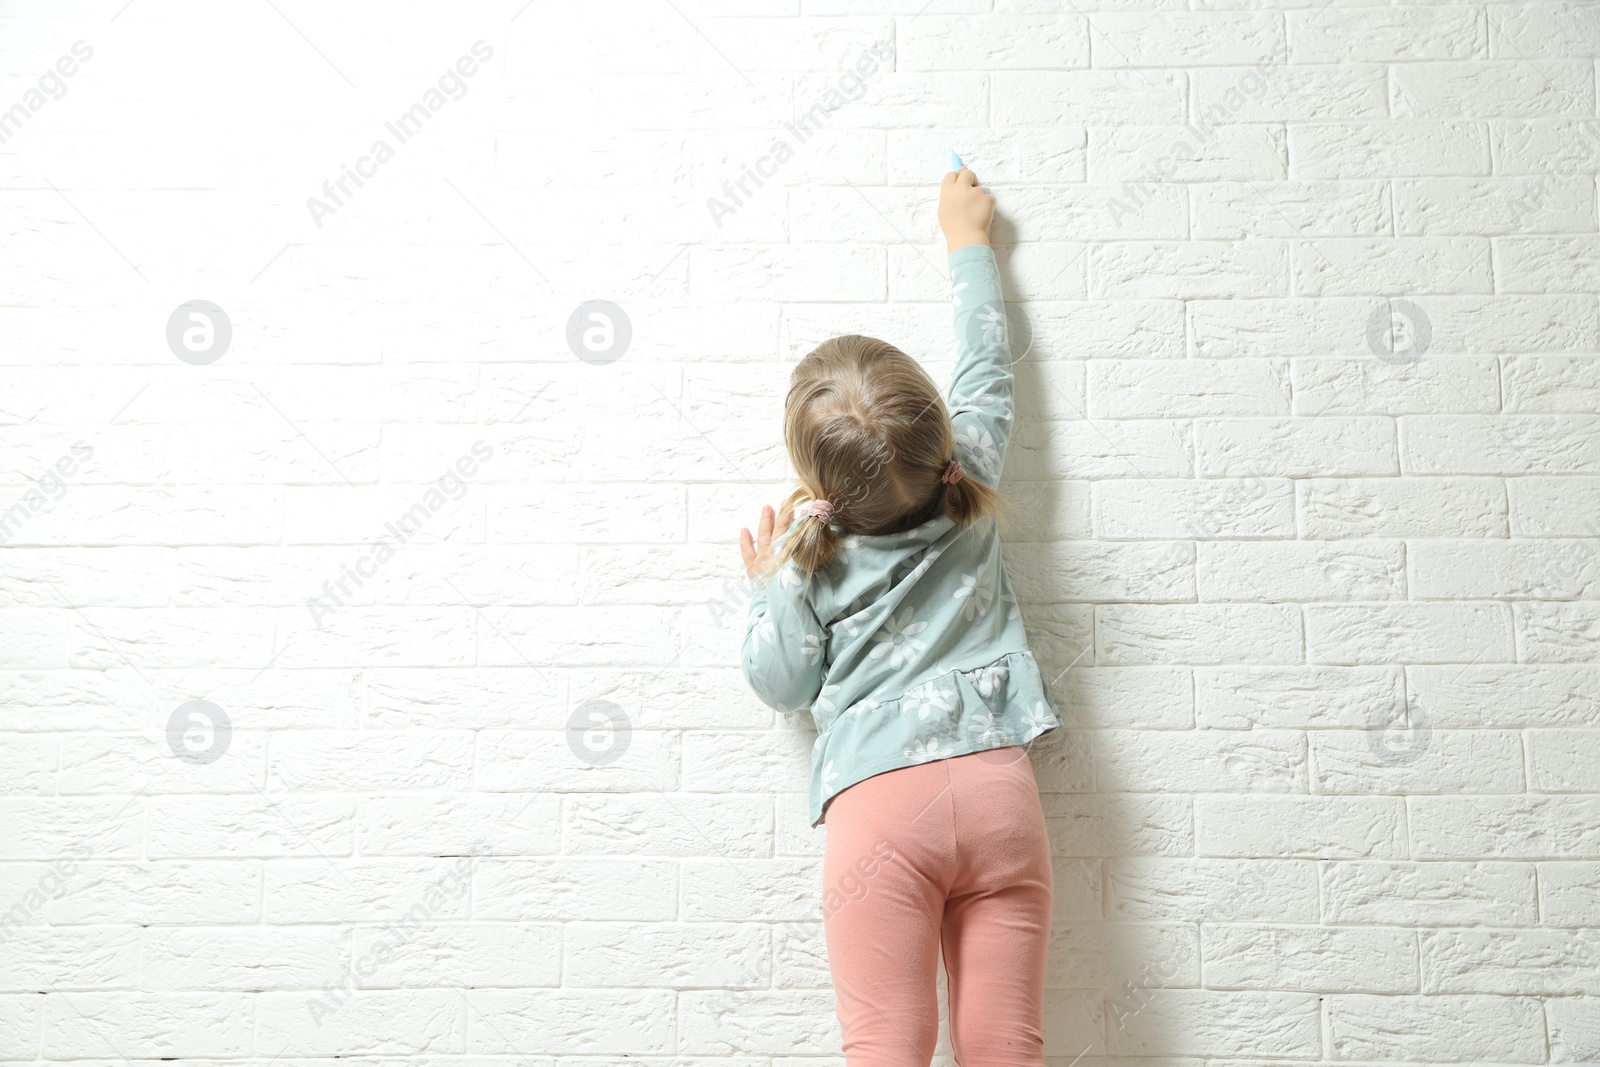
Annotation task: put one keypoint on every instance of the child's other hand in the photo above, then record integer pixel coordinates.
(757, 550)
(965, 210)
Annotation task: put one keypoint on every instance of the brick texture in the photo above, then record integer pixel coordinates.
(1305, 516)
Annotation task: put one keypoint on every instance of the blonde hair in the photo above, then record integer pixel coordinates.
(868, 432)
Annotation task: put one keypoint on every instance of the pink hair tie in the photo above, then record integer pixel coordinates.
(819, 509)
(952, 473)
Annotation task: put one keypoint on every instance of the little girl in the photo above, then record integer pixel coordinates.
(891, 619)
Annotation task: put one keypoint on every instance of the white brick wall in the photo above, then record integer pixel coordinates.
(1247, 533)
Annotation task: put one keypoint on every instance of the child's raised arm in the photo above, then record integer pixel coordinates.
(981, 408)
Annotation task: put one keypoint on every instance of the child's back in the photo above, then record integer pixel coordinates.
(907, 646)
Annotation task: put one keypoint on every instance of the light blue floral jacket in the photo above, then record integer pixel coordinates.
(910, 646)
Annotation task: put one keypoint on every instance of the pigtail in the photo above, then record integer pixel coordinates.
(811, 545)
(968, 500)
(811, 542)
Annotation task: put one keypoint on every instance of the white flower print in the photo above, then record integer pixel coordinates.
(828, 776)
(811, 647)
(1008, 597)
(764, 630)
(977, 594)
(955, 293)
(919, 569)
(922, 749)
(946, 729)
(980, 447)
(916, 701)
(898, 640)
(989, 680)
(824, 702)
(988, 730)
(789, 576)
(1039, 717)
(851, 623)
(927, 561)
(994, 325)
(927, 700)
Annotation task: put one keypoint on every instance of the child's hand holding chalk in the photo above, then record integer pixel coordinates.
(965, 210)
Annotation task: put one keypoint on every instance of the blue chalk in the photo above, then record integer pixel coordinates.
(955, 162)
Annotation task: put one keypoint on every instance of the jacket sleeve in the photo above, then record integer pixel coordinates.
(981, 394)
(783, 645)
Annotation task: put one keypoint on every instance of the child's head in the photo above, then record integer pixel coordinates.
(868, 433)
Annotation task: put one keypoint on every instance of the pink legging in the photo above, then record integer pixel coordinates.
(953, 852)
